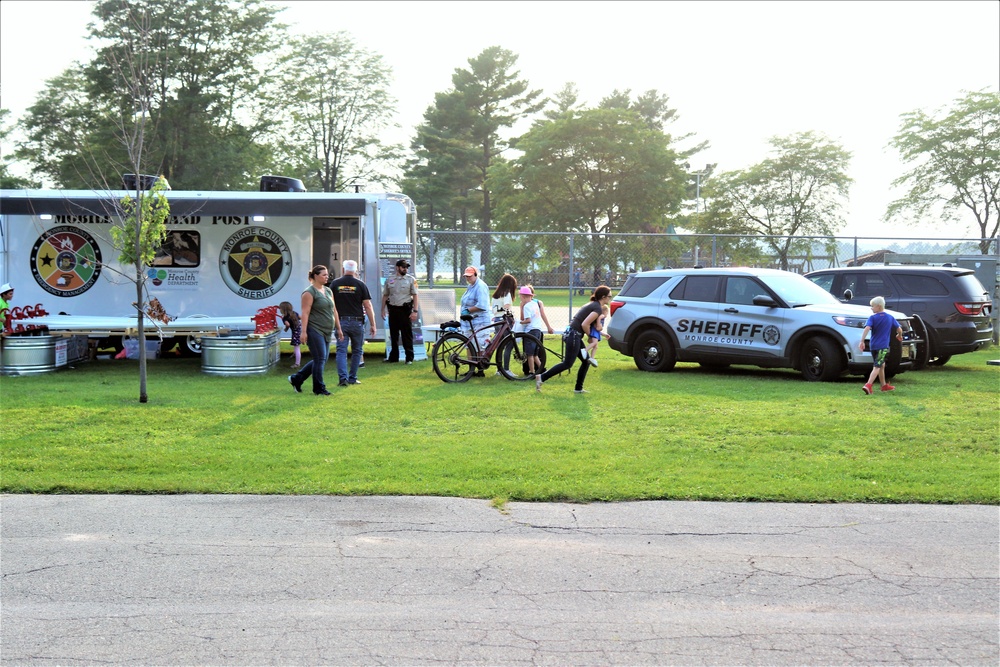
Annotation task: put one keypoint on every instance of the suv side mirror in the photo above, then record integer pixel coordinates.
(764, 300)
(848, 295)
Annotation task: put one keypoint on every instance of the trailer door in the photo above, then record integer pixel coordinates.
(336, 240)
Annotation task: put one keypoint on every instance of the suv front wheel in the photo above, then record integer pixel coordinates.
(820, 360)
(653, 352)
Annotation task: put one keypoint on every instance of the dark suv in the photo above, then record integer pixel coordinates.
(949, 303)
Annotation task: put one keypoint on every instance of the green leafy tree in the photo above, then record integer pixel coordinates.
(7, 180)
(565, 102)
(141, 227)
(208, 112)
(800, 191)
(494, 98)
(599, 171)
(339, 105)
(59, 127)
(442, 173)
(954, 160)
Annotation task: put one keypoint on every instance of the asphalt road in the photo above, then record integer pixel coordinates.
(278, 580)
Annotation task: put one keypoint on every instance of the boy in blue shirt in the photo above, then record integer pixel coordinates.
(881, 324)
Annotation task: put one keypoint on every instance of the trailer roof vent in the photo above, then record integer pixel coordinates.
(143, 181)
(281, 184)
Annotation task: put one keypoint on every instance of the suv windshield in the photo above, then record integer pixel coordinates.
(798, 291)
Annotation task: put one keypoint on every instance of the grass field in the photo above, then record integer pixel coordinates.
(739, 434)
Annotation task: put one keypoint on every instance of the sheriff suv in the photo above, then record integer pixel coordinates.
(761, 317)
(949, 306)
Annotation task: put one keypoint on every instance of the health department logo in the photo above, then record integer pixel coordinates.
(65, 261)
(771, 334)
(255, 263)
(156, 276)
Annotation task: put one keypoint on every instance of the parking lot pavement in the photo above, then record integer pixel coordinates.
(269, 580)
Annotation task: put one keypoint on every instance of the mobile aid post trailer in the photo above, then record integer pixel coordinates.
(227, 256)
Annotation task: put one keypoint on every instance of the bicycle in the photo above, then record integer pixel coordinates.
(456, 357)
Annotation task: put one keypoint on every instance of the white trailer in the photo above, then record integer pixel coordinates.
(227, 255)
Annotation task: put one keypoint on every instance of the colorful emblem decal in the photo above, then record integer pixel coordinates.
(66, 261)
(255, 263)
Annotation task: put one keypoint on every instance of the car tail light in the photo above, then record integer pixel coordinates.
(969, 307)
(615, 305)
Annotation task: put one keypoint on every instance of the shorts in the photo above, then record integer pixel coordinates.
(879, 357)
(530, 345)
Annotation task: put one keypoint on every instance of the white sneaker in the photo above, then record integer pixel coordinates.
(538, 383)
(593, 362)
(584, 354)
(580, 391)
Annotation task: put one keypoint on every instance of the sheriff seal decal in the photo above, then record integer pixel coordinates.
(255, 263)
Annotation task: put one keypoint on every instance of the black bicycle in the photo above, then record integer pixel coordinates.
(458, 357)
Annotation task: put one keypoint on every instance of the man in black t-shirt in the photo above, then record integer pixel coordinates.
(353, 301)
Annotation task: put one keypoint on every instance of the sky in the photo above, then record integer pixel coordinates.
(738, 73)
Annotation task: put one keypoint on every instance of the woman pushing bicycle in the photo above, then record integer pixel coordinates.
(582, 321)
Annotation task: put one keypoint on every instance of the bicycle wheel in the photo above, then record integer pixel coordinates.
(511, 358)
(451, 355)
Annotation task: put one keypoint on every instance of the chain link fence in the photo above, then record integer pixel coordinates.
(572, 265)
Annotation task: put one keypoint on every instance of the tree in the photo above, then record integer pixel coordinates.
(208, 113)
(141, 231)
(495, 99)
(460, 140)
(339, 104)
(442, 173)
(800, 191)
(58, 127)
(7, 180)
(955, 164)
(598, 171)
(141, 227)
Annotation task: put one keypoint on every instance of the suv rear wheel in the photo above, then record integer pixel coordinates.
(820, 360)
(653, 352)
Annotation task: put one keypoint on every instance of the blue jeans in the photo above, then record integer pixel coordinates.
(354, 335)
(319, 351)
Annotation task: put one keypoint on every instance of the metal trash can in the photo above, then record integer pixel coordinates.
(28, 355)
(240, 355)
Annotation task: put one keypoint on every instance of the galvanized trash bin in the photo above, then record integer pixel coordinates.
(28, 355)
(240, 355)
(33, 354)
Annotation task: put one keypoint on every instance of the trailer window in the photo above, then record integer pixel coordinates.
(182, 248)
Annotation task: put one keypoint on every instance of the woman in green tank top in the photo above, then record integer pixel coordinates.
(319, 320)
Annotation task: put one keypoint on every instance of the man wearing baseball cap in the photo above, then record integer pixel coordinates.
(400, 298)
(476, 302)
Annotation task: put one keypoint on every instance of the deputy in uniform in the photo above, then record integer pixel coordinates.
(399, 296)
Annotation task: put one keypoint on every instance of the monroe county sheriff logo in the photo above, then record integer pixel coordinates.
(65, 261)
(255, 262)
(727, 333)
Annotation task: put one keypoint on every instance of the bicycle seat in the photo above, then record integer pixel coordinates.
(466, 318)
